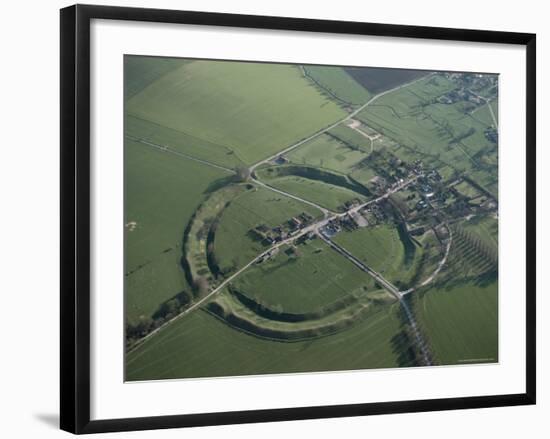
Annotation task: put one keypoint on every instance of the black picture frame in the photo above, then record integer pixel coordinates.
(75, 217)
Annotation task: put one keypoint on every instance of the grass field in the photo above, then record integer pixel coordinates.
(337, 83)
(379, 246)
(484, 115)
(253, 109)
(316, 277)
(351, 138)
(382, 249)
(161, 193)
(233, 245)
(461, 322)
(181, 142)
(377, 80)
(363, 174)
(140, 71)
(198, 232)
(193, 216)
(486, 228)
(442, 135)
(324, 194)
(200, 345)
(327, 152)
(467, 189)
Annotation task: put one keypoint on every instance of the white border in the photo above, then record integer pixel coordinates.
(111, 398)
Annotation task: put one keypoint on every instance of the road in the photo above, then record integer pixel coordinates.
(335, 124)
(377, 276)
(201, 301)
(418, 336)
(419, 339)
(355, 124)
(313, 227)
(165, 148)
(488, 103)
(295, 197)
(440, 265)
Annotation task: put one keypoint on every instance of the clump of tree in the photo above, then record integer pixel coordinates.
(200, 286)
(136, 330)
(242, 173)
(139, 329)
(484, 250)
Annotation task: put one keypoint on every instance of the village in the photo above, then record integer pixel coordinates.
(426, 203)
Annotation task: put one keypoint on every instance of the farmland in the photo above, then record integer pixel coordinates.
(252, 109)
(155, 218)
(234, 245)
(327, 189)
(140, 71)
(336, 82)
(325, 194)
(329, 153)
(377, 80)
(483, 114)
(462, 322)
(442, 134)
(308, 282)
(182, 142)
(295, 218)
(393, 254)
(203, 346)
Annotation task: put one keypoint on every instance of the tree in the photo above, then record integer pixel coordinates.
(201, 285)
(243, 173)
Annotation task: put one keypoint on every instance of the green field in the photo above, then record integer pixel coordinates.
(181, 142)
(324, 194)
(400, 261)
(485, 228)
(338, 84)
(253, 109)
(140, 71)
(198, 235)
(460, 313)
(363, 174)
(379, 246)
(207, 191)
(326, 152)
(441, 135)
(233, 245)
(484, 115)
(352, 138)
(316, 277)
(467, 189)
(161, 193)
(461, 322)
(200, 345)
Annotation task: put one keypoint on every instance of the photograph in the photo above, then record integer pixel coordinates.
(297, 218)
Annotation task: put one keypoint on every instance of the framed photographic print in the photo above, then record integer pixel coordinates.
(268, 218)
